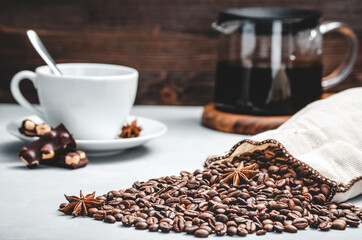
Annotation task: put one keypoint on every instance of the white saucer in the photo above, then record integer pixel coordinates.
(150, 130)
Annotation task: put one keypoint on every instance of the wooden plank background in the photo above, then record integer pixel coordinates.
(170, 42)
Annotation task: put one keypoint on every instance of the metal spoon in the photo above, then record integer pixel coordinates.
(42, 51)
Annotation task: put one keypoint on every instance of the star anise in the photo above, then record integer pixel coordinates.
(80, 205)
(129, 131)
(240, 174)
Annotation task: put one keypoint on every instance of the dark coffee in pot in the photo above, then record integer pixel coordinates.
(270, 59)
(262, 90)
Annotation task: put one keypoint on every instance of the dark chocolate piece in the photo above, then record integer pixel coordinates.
(72, 160)
(49, 146)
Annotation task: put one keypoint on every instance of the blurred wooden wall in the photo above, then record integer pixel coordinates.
(170, 42)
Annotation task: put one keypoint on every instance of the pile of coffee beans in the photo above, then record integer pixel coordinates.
(282, 197)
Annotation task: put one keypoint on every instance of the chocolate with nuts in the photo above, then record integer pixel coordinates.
(49, 145)
(71, 160)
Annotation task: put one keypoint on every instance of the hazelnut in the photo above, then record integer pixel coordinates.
(48, 155)
(81, 154)
(42, 128)
(29, 125)
(35, 163)
(72, 159)
(24, 160)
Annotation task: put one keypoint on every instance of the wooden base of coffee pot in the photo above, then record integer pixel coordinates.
(240, 123)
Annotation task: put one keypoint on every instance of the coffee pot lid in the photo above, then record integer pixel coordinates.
(293, 18)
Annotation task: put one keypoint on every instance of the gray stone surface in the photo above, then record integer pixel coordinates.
(29, 199)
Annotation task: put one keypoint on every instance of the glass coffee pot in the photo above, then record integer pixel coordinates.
(270, 60)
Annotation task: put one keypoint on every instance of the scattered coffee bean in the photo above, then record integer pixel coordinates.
(152, 220)
(339, 224)
(153, 228)
(98, 216)
(290, 228)
(300, 223)
(281, 197)
(325, 226)
(118, 216)
(261, 232)
(141, 225)
(268, 227)
(110, 219)
(279, 228)
(165, 227)
(232, 230)
(92, 211)
(201, 233)
(220, 229)
(191, 229)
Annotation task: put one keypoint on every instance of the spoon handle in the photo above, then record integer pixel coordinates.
(42, 51)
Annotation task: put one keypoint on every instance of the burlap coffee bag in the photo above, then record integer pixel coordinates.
(325, 137)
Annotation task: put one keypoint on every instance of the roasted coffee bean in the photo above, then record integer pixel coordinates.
(300, 223)
(269, 227)
(325, 189)
(352, 217)
(165, 227)
(178, 224)
(98, 216)
(201, 233)
(232, 230)
(118, 216)
(191, 213)
(220, 229)
(353, 223)
(204, 206)
(241, 231)
(191, 229)
(151, 220)
(325, 226)
(290, 228)
(261, 232)
(128, 220)
(339, 224)
(346, 205)
(139, 219)
(167, 220)
(92, 211)
(319, 199)
(193, 184)
(205, 215)
(110, 219)
(283, 196)
(153, 228)
(251, 227)
(159, 207)
(278, 227)
(207, 228)
(221, 218)
(231, 223)
(141, 225)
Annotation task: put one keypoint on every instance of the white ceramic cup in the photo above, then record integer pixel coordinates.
(92, 100)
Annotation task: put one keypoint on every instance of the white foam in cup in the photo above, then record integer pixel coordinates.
(92, 100)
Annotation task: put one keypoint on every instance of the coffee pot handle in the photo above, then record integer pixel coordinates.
(345, 68)
(19, 97)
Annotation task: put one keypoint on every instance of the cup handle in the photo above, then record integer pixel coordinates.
(345, 68)
(15, 91)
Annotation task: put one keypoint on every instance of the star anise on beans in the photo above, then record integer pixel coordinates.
(80, 205)
(129, 131)
(239, 175)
